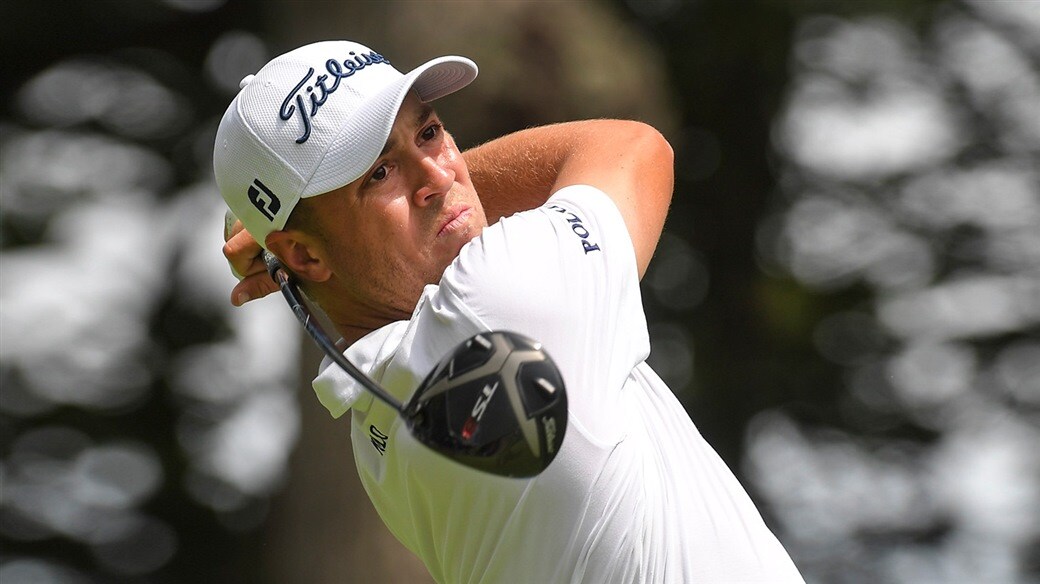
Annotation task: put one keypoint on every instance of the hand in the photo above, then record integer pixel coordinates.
(243, 254)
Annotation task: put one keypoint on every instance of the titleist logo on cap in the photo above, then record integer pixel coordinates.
(319, 91)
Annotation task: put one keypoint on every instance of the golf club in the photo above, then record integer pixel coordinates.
(496, 403)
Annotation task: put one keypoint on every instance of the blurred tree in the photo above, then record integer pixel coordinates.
(908, 148)
(124, 450)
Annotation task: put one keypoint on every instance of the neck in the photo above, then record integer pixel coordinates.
(352, 320)
(350, 333)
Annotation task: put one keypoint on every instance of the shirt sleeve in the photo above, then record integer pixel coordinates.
(563, 274)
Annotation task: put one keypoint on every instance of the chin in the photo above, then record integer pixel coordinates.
(471, 232)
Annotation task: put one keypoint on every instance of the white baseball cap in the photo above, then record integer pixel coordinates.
(313, 120)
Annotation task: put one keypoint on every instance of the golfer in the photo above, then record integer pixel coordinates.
(336, 163)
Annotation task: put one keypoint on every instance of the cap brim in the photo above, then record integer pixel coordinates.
(439, 77)
(361, 140)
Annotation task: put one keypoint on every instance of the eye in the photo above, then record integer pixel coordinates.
(431, 131)
(379, 173)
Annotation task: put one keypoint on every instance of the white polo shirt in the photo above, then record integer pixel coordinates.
(635, 493)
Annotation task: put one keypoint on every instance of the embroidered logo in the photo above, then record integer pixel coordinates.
(319, 90)
(263, 199)
(379, 439)
(578, 228)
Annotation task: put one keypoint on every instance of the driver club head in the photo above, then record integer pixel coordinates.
(496, 403)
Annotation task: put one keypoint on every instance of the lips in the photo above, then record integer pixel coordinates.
(454, 220)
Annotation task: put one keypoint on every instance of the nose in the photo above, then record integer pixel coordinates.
(434, 180)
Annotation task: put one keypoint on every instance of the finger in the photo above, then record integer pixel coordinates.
(243, 253)
(253, 287)
(231, 225)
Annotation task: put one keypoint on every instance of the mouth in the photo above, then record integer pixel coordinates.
(455, 220)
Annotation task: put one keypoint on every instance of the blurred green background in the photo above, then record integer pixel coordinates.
(846, 297)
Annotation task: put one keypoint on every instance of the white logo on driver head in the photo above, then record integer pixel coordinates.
(482, 401)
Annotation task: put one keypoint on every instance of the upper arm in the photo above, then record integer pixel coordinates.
(633, 164)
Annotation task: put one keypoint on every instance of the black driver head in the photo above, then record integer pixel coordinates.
(496, 403)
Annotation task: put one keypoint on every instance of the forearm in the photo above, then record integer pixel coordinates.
(515, 172)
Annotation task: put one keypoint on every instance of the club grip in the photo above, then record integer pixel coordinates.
(274, 265)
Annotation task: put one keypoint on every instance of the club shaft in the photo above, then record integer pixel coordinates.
(299, 307)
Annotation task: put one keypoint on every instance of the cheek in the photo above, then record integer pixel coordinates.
(385, 278)
(454, 159)
(383, 247)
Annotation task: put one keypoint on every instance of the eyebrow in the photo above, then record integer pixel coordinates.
(425, 111)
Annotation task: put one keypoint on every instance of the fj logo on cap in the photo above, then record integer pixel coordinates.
(263, 199)
(320, 90)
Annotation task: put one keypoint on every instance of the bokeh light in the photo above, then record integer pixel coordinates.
(909, 163)
(104, 246)
(233, 56)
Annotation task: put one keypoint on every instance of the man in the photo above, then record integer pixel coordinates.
(337, 164)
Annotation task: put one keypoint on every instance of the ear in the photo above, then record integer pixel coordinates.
(300, 253)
